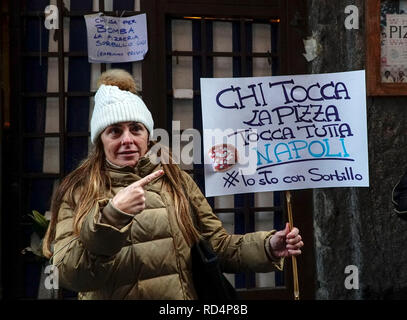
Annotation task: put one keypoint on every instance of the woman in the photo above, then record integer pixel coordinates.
(122, 225)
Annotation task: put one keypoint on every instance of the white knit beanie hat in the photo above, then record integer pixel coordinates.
(113, 105)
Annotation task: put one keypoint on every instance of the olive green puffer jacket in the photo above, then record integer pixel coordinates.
(121, 256)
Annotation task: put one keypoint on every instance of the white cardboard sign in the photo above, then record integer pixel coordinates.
(284, 132)
(114, 39)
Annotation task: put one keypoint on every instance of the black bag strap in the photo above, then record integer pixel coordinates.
(209, 281)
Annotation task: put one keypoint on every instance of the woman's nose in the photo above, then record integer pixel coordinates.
(127, 138)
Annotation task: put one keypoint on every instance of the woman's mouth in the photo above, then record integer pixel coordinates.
(127, 153)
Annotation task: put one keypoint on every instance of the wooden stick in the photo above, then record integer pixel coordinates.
(293, 258)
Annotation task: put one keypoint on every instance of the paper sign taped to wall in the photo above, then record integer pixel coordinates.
(396, 39)
(284, 132)
(114, 39)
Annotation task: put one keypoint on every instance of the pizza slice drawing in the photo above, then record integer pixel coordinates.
(223, 156)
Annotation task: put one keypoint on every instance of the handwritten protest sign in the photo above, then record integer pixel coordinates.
(284, 132)
(113, 39)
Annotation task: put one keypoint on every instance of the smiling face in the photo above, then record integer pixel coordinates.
(125, 143)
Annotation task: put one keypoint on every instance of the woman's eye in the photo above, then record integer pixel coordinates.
(114, 131)
(136, 128)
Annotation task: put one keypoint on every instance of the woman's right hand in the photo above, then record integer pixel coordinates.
(131, 199)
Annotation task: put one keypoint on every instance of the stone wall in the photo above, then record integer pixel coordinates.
(356, 226)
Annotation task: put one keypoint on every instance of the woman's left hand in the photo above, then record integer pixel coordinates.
(286, 243)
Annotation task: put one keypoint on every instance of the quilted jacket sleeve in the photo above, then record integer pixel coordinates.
(88, 262)
(237, 253)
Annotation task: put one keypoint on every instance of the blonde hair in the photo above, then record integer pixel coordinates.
(92, 179)
(176, 185)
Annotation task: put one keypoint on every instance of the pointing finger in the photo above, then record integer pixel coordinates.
(147, 179)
